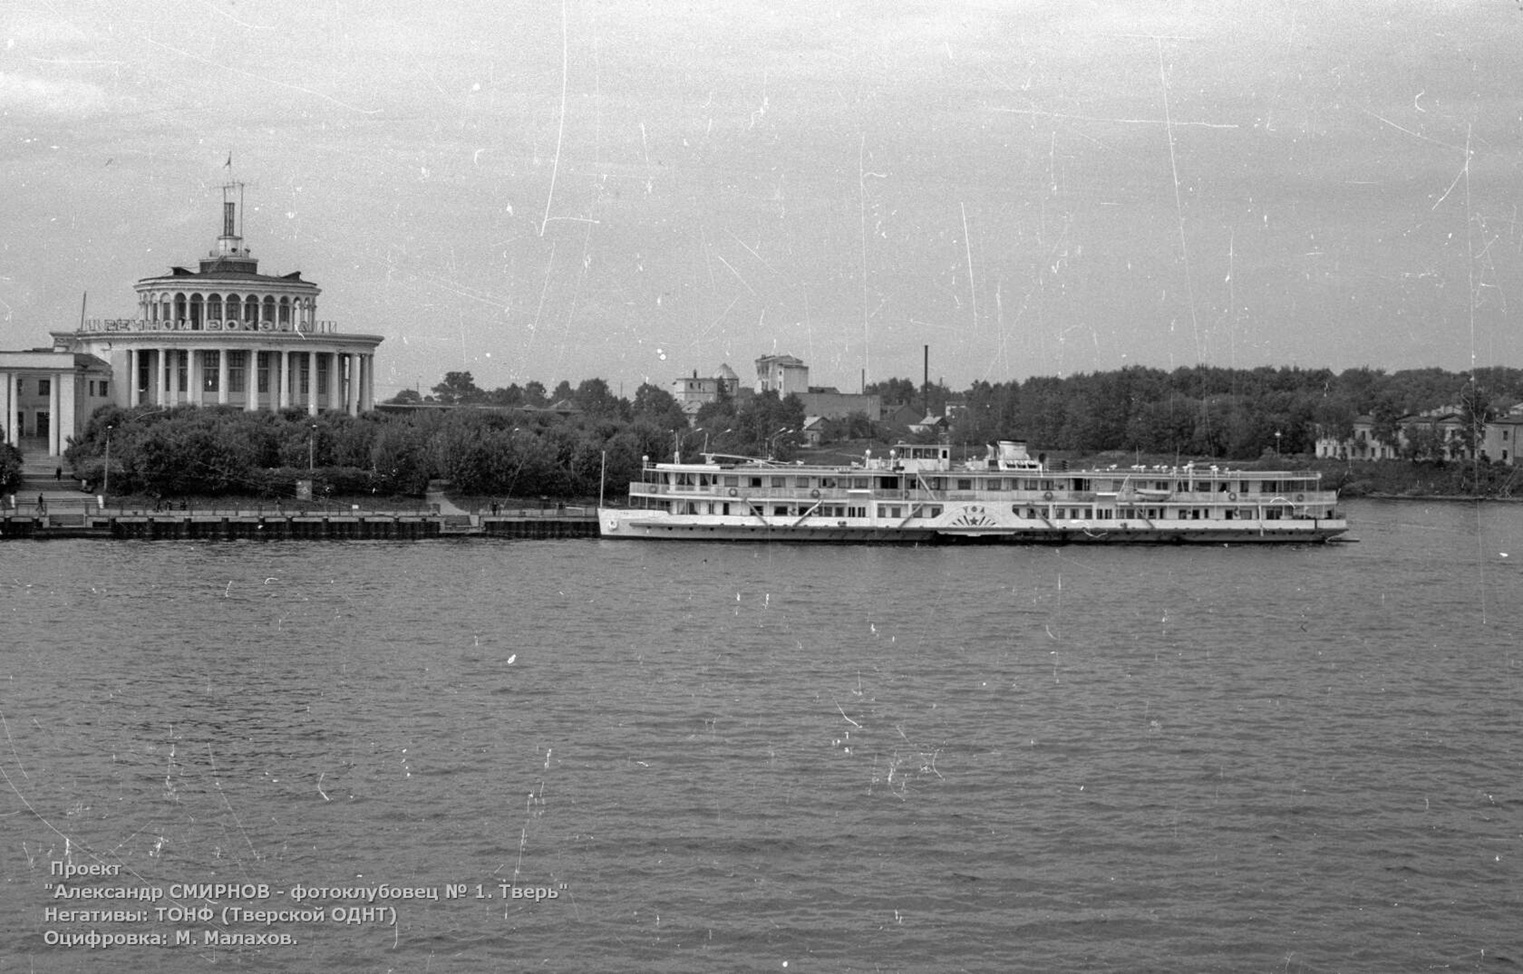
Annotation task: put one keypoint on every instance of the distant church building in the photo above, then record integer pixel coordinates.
(223, 334)
(694, 393)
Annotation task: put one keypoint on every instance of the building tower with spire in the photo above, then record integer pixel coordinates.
(226, 335)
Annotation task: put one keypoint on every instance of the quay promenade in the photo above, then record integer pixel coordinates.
(51, 506)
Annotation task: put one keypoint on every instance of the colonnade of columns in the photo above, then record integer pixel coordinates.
(60, 411)
(198, 309)
(168, 376)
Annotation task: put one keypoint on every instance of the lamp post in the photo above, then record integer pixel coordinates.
(105, 484)
(312, 449)
(772, 440)
(1276, 442)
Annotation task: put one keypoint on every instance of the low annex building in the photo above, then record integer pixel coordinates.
(46, 396)
(221, 334)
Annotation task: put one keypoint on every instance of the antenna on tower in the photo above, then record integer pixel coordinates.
(230, 243)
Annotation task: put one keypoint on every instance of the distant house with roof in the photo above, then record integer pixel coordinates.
(1360, 444)
(789, 376)
(1500, 441)
(694, 392)
(1438, 433)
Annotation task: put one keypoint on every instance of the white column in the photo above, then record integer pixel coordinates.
(367, 402)
(67, 402)
(158, 377)
(311, 383)
(351, 386)
(222, 376)
(335, 366)
(285, 379)
(12, 410)
(251, 380)
(195, 374)
(54, 395)
(131, 380)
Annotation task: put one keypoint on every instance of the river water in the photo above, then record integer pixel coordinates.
(709, 757)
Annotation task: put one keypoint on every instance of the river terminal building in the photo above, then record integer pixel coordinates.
(222, 334)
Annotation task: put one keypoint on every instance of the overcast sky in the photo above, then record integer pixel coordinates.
(638, 190)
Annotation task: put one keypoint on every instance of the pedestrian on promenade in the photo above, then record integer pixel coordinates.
(58, 474)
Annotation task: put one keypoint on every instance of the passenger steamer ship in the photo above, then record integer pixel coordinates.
(917, 494)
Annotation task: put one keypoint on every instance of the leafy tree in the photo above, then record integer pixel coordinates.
(510, 395)
(399, 459)
(595, 399)
(660, 407)
(1475, 412)
(10, 469)
(1424, 441)
(458, 388)
(893, 392)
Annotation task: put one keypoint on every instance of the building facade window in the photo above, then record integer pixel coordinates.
(211, 380)
(236, 371)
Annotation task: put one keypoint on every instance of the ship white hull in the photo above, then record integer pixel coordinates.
(950, 529)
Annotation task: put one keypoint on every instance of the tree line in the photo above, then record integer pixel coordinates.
(594, 439)
(1207, 411)
(571, 442)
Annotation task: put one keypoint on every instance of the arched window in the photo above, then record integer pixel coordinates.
(269, 309)
(250, 308)
(180, 309)
(285, 311)
(195, 311)
(214, 308)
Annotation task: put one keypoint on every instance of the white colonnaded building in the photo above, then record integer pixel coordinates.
(220, 335)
